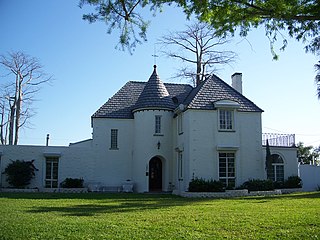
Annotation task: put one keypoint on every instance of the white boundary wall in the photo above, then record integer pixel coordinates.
(310, 175)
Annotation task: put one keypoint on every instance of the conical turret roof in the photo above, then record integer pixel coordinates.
(154, 95)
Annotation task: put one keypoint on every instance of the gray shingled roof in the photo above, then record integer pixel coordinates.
(124, 101)
(215, 89)
(155, 94)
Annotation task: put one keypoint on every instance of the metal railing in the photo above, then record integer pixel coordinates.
(278, 140)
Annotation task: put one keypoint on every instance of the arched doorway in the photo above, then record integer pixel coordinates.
(155, 174)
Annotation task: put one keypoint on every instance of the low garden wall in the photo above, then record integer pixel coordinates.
(235, 193)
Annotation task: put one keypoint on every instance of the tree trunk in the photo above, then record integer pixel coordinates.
(11, 123)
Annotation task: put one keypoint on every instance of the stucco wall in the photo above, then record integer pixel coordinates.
(74, 162)
(201, 140)
(145, 145)
(289, 156)
(310, 175)
(112, 166)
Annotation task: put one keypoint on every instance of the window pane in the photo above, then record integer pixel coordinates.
(226, 119)
(227, 168)
(114, 139)
(52, 167)
(157, 124)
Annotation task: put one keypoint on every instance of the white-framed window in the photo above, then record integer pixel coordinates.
(226, 119)
(179, 123)
(180, 166)
(114, 139)
(52, 170)
(157, 125)
(227, 170)
(276, 173)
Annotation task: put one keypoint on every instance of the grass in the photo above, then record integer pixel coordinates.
(144, 216)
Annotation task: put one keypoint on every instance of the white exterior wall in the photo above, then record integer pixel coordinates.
(112, 167)
(145, 147)
(251, 164)
(74, 162)
(201, 140)
(289, 156)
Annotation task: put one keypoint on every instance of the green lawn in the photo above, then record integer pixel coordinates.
(144, 216)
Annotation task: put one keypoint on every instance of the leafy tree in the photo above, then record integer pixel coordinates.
(306, 154)
(300, 19)
(19, 173)
(199, 47)
(24, 76)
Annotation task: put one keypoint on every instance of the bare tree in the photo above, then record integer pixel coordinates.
(199, 46)
(24, 76)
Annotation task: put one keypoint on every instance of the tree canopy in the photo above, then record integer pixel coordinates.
(298, 18)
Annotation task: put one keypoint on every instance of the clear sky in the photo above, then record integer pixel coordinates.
(88, 70)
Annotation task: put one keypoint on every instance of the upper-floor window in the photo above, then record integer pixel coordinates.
(114, 139)
(157, 129)
(226, 119)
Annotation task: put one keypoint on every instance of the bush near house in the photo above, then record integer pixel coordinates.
(291, 182)
(72, 183)
(19, 173)
(202, 185)
(257, 185)
(267, 185)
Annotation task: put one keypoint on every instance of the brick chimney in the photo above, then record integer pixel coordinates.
(237, 81)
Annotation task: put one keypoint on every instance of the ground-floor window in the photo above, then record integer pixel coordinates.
(227, 169)
(277, 170)
(52, 164)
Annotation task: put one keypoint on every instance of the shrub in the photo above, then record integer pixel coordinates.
(257, 185)
(293, 182)
(202, 185)
(19, 173)
(72, 183)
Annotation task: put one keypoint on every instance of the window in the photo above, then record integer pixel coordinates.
(114, 139)
(226, 120)
(179, 119)
(227, 168)
(180, 167)
(52, 164)
(276, 173)
(157, 129)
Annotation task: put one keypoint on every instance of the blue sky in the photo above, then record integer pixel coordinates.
(88, 70)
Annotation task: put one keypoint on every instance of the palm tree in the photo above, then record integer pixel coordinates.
(317, 78)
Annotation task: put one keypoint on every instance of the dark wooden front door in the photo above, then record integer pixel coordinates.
(155, 174)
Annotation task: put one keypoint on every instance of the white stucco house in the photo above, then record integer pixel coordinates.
(162, 135)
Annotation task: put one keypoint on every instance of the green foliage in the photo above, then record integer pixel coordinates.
(202, 185)
(121, 15)
(19, 173)
(257, 185)
(72, 183)
(299, 19)
(293, 182)
(267, 185)
(306, 154)
(149, 216)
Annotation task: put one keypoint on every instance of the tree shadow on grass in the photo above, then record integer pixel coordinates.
(97, 209)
